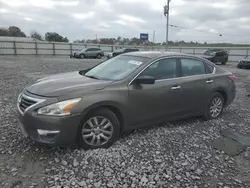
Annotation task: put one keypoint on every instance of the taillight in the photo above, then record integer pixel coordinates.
(232, 77)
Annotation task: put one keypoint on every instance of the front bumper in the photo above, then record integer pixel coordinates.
(49, 129)
(244, 65)
(75, 56)
(109, 56)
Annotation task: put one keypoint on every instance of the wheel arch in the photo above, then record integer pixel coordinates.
(114, 107)
(223, 93)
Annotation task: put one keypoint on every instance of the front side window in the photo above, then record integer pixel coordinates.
(116, 68)
(210, 68)
(162, 69)
(191, 67)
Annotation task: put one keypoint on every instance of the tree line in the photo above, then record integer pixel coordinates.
(14, 31)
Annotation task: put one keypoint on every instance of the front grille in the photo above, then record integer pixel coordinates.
(25, 103)
(245, 62)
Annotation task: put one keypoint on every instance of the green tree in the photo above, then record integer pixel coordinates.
(35, 35)
(4, 32)
(119, 38)
(55, 37)
(16, 32)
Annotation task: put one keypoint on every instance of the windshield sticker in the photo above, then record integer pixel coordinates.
(138, 63)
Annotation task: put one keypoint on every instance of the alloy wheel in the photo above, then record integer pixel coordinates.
(97, 131)
(216, 107)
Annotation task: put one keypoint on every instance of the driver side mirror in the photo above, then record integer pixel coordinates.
(144, 80)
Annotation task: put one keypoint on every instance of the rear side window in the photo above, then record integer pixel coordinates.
(191, 67)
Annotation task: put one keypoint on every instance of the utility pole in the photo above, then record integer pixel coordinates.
(166, 13)
(153, 37)
(96, 39)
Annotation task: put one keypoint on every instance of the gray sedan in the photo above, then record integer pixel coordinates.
(93, 107)
(88, 53)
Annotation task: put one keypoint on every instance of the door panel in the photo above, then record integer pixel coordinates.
(159, 100)
(87, 52)
(156, 101)
(220, 57)
(193, 95)
(193, 86)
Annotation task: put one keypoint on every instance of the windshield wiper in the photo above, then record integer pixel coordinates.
(92, 77)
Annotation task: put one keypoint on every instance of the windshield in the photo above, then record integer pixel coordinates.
(209, 52)
(247, 57)
(117, 68)
(120, 50)
(83, 50)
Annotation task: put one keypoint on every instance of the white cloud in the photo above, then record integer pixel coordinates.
(131, 18)
(3, 11)
(120, 22)
(77, 19)
(28, 19)
(84, 16)
(103, 24)
(40, 3)
(68, 3)
(14, 3)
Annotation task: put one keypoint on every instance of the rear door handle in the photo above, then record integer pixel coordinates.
(176, 87)
(209, 81)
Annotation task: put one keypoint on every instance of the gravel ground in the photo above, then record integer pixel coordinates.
(178, 154)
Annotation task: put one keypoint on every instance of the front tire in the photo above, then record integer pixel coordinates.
(224, 62)
(98, 56)
(82, 56)
(99, 129)
(215, 106)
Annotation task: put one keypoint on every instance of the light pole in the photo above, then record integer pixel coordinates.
(166, 13)
(153, 37)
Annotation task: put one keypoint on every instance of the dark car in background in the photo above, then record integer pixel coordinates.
(88, 53)
(244, 63)
(122, 51)
(216, 56)
(93, 107)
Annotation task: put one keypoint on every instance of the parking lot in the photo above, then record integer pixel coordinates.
(177, 154)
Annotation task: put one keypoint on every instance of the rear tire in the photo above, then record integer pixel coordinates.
(215, 107)
(106, 129)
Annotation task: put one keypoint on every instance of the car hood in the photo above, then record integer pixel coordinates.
(244, 59)
(77, 52)
(117, 53)
(65, 83)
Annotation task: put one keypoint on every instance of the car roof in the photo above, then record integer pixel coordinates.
(216, 50)
(156, 54)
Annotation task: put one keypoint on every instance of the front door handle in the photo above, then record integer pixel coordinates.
(209, 81)
(176, 87)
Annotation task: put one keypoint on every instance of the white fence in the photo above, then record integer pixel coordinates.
(65, 49)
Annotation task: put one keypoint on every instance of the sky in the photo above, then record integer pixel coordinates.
(84, 19)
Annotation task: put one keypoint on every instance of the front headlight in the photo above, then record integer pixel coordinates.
(62, 108)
